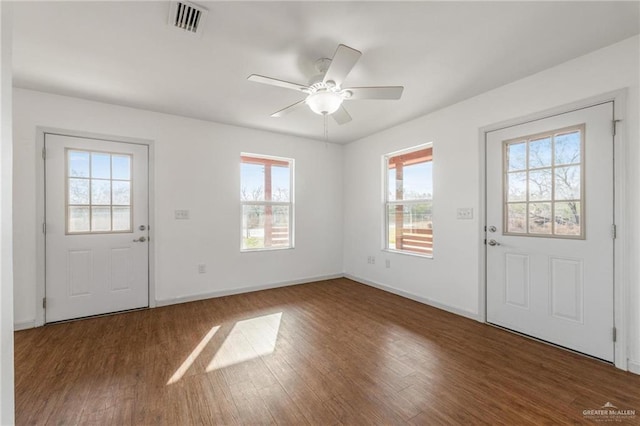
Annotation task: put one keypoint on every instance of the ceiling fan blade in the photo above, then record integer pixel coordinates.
(275, 82)
(343, 61)
(287, 110)
(341, 115)
(380, 92)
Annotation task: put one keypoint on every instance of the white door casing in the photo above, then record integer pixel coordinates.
(96, 201)
(556, 289)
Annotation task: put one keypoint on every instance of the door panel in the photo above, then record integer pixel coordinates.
(550, 258)
(96, 200)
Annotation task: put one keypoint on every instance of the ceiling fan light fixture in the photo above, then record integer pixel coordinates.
(324, 102)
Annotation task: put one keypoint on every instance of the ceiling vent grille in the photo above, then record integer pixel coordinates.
(187, 17)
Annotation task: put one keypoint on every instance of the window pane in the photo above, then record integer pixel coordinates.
(90, 184)
(517, 153)
(121, 192)
(279, 226)
(78, 219)
(78, 163)
(78, 191)
(100, 192)
(100, 165)
(568, 183)
(409, 176)
(540, 185)
(567, 148)
(252, 182)
(567, 218)
(101, 218)
(540, 218)
(121, 167)
(517, 186)
(516, 218)
(265, 226)
(540, 153)
(122, 218)
(410, 227)
(416, 181)
(252, 227)
(391, 184)
(543, 195)
(280, 183)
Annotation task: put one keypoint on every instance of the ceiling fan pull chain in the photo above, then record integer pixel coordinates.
(326, 126)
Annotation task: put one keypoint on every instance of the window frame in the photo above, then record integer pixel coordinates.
(264, 159)
(90, 178)
(553, 133)
(386, 203)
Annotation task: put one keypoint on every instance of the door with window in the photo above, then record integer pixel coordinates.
(549, 229)
(96, 216)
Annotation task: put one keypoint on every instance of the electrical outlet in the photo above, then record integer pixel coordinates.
(387, 263)
(373, 260)
(202, 268)
(181, 214)
(464, 213)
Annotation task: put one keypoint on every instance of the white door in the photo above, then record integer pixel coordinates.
(549, 229)
(97, 253)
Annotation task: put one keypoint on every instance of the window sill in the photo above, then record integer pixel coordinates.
(407, 253)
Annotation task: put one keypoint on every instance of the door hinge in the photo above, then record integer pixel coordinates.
(44, 153)
(614, 127)
(44, 227)
(615, 334)
(614, 232)
(44, 303)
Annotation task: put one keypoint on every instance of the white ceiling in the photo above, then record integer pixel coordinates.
(442, 52)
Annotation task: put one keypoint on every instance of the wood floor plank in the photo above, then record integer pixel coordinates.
(326, 353)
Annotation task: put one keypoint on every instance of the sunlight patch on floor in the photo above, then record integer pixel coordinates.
(249, 339)
(193, 355)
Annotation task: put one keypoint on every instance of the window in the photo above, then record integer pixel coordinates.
(98, 196)
(543, 181)
(266, 194)
(408, 201)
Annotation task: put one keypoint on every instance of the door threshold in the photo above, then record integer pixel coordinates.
(546, 342)
(106, 314)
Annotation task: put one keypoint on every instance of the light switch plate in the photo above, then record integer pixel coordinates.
(465, 213)
(181, 214)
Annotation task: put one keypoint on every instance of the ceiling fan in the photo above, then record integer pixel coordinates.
(325, 93)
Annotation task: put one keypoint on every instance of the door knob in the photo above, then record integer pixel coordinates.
(491, 243)
(140, 240)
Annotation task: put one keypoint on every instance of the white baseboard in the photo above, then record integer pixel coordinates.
(228, 292)
(426, 301)
(633, 366)
(24, 325)
(239, 290)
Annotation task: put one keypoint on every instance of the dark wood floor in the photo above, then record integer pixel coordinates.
(344, 354)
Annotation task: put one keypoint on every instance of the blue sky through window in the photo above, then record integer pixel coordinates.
(252, 182)
(417, 181)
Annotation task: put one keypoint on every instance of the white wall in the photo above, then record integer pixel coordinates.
(6, 258)
(451, 278)
(196, 168)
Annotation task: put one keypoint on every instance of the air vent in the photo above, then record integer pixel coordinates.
(187, 17)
